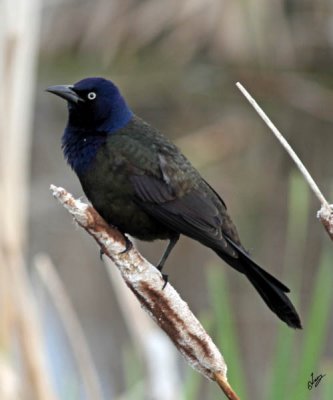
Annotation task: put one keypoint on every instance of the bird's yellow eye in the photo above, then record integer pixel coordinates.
(92, 96)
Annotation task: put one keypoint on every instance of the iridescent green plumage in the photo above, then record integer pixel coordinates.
(138, 154)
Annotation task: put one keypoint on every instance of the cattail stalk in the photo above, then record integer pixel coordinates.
(165, 307)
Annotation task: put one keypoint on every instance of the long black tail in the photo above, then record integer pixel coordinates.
(270, 289)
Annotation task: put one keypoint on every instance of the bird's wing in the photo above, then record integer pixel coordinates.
(195, 215)
(187, 210)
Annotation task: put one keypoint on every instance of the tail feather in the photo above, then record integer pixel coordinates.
(270, 289)
(274, 297)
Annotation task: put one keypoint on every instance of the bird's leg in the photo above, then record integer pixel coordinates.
(171, 245)
(172, 242)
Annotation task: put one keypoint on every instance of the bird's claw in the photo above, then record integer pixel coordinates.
(128, 245)
(165, 279)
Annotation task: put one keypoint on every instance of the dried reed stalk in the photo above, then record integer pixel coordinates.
(21, 336)
(81, 352)
(325, 214)
(166, 307)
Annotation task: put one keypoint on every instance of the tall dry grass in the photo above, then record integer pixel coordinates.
(231, 31)
(22, 354)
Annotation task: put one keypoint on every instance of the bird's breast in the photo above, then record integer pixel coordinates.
(108, 186)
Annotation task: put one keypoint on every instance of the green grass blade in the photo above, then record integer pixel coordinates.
(327, 382)
(191, 386)
(298, 211)
(226, 335)
(132, 374)
(315, 328)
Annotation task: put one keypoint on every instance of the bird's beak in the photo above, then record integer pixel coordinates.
(66, 92)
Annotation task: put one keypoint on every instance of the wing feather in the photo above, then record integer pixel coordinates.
(193, 214)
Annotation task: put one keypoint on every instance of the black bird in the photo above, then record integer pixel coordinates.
(140, 182)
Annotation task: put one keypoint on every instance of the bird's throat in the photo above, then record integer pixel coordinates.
(80, 148)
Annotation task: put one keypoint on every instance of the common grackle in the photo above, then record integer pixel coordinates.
(140, 182)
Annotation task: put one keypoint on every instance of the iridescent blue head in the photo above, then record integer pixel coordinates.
(94, 104)
(96, 109)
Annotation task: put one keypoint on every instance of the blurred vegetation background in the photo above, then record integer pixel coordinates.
(64, 330)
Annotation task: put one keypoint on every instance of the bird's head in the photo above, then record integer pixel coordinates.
(94, 104)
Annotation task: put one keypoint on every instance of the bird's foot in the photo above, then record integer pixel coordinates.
(164, 276)
(165, 279)
(128, 245)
